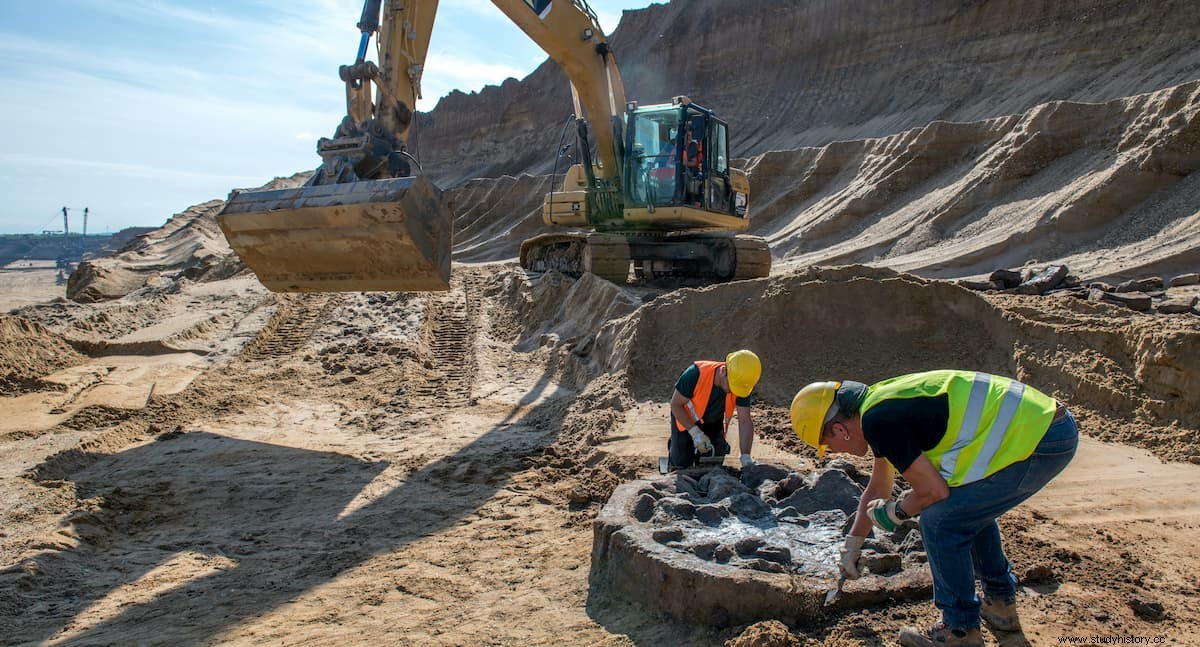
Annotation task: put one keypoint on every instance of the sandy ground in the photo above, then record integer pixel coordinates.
(405, 469)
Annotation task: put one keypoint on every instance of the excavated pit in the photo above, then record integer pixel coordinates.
(735, 551)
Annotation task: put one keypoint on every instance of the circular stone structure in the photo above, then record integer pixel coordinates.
(708, 544)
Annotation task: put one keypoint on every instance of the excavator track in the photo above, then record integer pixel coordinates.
(293, 324)
(752, 258)
(574, 253)
(713, 257)
(451, 319)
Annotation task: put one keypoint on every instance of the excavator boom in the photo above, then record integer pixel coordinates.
(364, 221)
(367, 220)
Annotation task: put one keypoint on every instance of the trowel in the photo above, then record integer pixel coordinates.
(834, 593)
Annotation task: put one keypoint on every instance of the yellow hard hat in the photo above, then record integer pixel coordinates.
(811, 409)
(743, 370)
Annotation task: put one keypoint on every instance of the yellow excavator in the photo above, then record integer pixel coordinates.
(654, 191)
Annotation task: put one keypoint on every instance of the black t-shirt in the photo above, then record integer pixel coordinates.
(714, 411)
(900, 429)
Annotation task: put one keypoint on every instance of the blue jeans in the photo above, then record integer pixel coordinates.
(962, 538)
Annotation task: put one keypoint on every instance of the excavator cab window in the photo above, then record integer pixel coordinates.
(653, 169)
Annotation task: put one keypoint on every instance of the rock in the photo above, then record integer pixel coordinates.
(1100, 614)
(748, 506)
(643, 509)
(1044, 281)
(1038, 574)
(833, 490)
(1095, 295)
(1101, 285)
(883, 563)
(1175, 306)
(1141, 285)
(711, 514)
(754, 475)
(723, 553)
(1146, 608)
(1006, 278)
(1133, 300)
(778, 554)
(908, 537)
(748, 545)
(765, 566)
(706, 550)
(1194, 460)
(1072, 281)
(979, 286)
(784, 488)
(678, 508)
(791, 515)
(1184, 279)
(844, 465)
(719, 484)
(665, 535)
(685, 483)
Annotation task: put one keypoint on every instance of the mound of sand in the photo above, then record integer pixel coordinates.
(189, 246)
(29, 352)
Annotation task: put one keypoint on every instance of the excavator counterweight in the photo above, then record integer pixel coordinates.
(391, 234)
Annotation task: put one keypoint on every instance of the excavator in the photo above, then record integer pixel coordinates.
(653, 190)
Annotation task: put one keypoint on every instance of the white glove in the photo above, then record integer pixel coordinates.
(700, 441)
(887, 515)
(746, 460)
(851, 555)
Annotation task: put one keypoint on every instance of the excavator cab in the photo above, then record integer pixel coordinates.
(678, 169)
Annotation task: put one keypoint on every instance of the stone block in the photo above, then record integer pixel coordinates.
(1175, 306)
(754, 475)
(1184, 279)
(1006, 278)
(1141, 285)
(665, 535)
(1147, 608)
(1044, 281)
(711, 514)
(979, 286)
(1132, 300)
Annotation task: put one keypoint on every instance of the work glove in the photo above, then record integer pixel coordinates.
(700, 441)
(746, 460)
(886, 515)
(851, 555)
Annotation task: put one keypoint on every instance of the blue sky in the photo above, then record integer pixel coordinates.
(138, 109)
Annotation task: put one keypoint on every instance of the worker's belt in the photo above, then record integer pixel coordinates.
(1059, 413)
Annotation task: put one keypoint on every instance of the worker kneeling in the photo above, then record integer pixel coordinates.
(707, 395)
(972, 446)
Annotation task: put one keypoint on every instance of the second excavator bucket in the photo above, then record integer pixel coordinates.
(386, 235)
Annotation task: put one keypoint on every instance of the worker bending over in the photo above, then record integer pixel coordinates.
(706, 397)
(972, 446)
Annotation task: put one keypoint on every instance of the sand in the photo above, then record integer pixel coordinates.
(333, 471)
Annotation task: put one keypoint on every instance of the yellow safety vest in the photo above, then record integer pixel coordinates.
(994, 421)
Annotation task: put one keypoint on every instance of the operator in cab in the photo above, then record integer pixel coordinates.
(708, 394)
(972, 446)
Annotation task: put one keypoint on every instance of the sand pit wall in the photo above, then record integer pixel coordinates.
(1136, 374)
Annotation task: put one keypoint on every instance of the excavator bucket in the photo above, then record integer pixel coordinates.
(386, 235)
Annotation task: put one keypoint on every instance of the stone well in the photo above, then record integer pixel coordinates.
(708, 544)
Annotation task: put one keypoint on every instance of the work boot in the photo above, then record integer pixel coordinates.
(940, 635)
(1000, 614)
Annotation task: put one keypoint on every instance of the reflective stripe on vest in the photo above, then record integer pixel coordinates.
(993, 421)
(704, 387)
